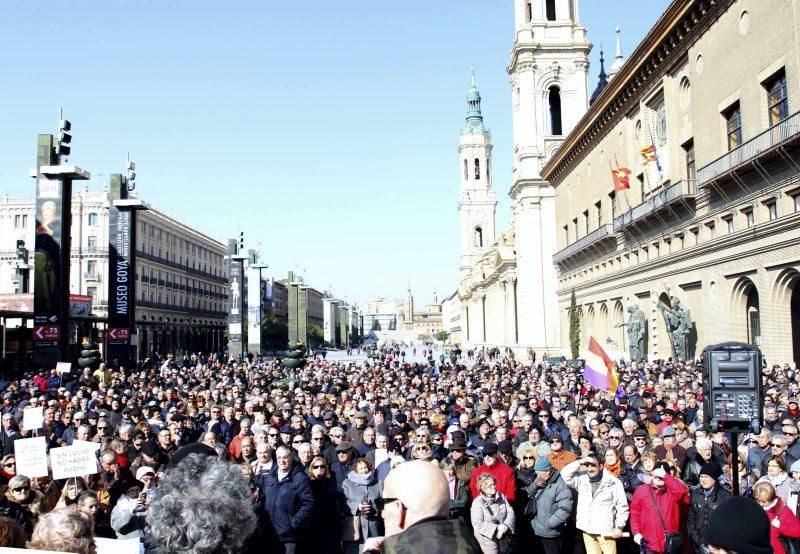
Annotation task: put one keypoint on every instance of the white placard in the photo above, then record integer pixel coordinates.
(72, 461)
(381, 454)
(31, 457)
(32, 418)
(116, 546)
(87, 444)
(63, 367)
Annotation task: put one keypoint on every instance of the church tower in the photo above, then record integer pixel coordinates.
(548, 68)
(477, 203)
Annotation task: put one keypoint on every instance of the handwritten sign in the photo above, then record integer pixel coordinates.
(95, 446)
(63, 367)
(31, 457)
(32, 418)
(72, 461)
(115, 546)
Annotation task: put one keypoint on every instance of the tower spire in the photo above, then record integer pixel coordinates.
(474, 117)
(602, 79)
(618, 60)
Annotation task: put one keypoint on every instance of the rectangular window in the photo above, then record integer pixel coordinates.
(772, 210)
(796, 201)
(566, 235)
(91, 291)
(18, 221)
(777, 99)
(586, 220)
(749, 218)
(691, 171)
(91, 241)
(613, 198)
(640, 178)
(91, 268)
(728, 223)
(598, 206)
(575, 225)
(712, 229)
(733, 126)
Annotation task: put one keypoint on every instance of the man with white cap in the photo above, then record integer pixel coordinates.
(671, 450)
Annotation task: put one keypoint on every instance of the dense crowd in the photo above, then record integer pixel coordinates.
(459, 454)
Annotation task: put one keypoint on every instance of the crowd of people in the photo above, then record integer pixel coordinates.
(454, 455)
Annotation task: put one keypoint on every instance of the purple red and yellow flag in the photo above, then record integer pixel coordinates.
(598, 368)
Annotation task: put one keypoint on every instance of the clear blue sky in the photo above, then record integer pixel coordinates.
(326, 131)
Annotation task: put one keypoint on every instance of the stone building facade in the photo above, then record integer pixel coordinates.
(705, 116)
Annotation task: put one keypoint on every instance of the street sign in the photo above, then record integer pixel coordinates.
(118, 333)
(47, 333)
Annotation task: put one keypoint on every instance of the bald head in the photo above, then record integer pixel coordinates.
(422, 488)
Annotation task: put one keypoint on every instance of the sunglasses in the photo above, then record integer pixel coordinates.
(297, 442)
(317, 467)
(317, 438)
(102, 428)
(21, 489)
(272, 434)
(10, 464)
(528, 457)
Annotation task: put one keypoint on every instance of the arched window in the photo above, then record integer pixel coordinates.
(478, 237)
(550, 10)
(477, 169)
(528, 11)
(92, 219)
(466, 170)
(555, 110)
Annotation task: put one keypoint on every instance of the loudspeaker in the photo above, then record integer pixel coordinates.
(732, 390)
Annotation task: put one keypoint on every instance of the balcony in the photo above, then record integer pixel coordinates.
(90, 251)
(783, 133)
(600, 235)
(680, 192)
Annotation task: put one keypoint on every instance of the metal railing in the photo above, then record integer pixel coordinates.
(601, 233)
(682, 190)
(90, 250)
(772, 137)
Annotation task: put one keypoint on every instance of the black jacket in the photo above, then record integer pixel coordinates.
(700, 509)
(288, 501)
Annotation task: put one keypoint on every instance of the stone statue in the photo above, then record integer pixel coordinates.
(637, 331)
(678, 321)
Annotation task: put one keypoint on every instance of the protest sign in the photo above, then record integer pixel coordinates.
(31, 456)
(87, 444)
(32, 418)
(115, 546)
(63, 367)
(72, 461)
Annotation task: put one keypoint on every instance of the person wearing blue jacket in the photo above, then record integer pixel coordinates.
(287, 499)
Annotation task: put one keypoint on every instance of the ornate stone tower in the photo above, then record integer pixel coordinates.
(477, 203)
(548, 68)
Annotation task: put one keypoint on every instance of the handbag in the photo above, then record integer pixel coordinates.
(673, 542)
(507, 544)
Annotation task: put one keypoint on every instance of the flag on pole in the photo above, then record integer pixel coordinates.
(598, 368)
(620, 175)
(650, 154)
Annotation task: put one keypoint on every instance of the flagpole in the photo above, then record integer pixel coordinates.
(625, 196)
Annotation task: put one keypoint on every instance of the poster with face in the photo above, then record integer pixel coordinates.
(47, 257)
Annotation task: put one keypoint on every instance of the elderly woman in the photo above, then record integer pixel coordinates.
(8, 468)
(20, 491)
(64, 530)
(361, 488)
(783, 523)
(324, 521)
(491, 514)
(778, 476)
(612, 462)
(128, 515)
(459, 491)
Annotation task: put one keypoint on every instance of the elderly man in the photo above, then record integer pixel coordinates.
(288, 500)
(503, 474)
(415, 507)
(671, 450)
(263, 462)
(602, 506)
(656, 509)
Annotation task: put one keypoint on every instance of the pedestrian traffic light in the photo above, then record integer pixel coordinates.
(64, 137)
(22, 252)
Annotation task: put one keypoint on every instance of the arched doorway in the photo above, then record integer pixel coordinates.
(786, 303)
(617, 330)
(746, 310)
(753, 317)
(794, 310)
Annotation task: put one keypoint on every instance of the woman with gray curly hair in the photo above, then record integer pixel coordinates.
(64, 530)
(203, 505)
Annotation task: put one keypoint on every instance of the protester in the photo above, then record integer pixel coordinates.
(64, 530)
(491, 515)
(361, 490)
(783, 523)
(656, 510)
(552, 503)
(704, 499)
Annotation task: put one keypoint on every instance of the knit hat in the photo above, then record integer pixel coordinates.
(739, 524)
(490, 449)
(542, 464)
(711, 469)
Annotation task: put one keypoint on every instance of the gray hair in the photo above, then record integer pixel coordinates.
(65, 530)
(703, 442)
(203, 505)
(127, 427)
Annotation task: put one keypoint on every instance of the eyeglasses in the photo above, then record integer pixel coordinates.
(775, 444)
(102, 428)
(529, 457)
(297, 441)
(10, 464)
(318, 467)
(272, 434)
(381, 503)
(337, 436)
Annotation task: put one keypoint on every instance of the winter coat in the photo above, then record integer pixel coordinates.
(288, 501)
(486, 515)
(127, 522)
(782, 484)
(554, 504)
(789, 525)
(603, 511)
(700, 508)
(433, 535)
(503, 475)
(355, 493)
(672, 502)
(691, 473)
(325, 517)
(631, 478)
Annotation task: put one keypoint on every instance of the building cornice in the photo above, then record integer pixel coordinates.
(683, 23)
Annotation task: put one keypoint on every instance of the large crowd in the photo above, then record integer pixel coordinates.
(459, 454)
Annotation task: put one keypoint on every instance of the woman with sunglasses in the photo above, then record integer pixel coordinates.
(361, 489)
(325, 520)
(8, 468)
(525, 474)
(21, 492)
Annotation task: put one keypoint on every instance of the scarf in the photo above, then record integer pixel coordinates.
(597, 478)
(526, 474)
(614, 468)
(777, 480)
(358, 479)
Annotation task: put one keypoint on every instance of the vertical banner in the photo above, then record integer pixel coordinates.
(51, 260)
(343, 326)
(121, 275)
(235, 305)
(254, 310)
(292, 290)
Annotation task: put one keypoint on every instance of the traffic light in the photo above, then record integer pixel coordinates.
(64, 137)
(241, 242)
(22, 252)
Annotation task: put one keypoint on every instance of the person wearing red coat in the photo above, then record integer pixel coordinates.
(783, 523)
(502, 473)
(672, 498)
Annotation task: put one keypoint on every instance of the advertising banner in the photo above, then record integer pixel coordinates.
(254, 310)
(121, 274)
(80, 305)
(235, 305)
